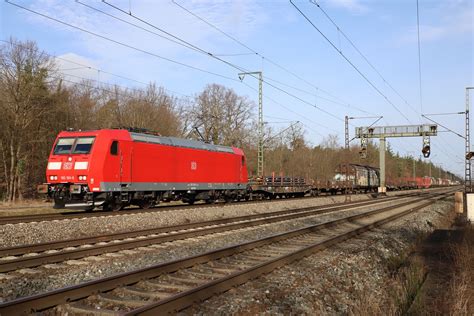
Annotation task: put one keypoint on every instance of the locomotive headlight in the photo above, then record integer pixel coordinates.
(82, 178)
(53, 178)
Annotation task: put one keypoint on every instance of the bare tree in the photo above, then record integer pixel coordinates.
(222, 116)
(24, 91)
(153, 109)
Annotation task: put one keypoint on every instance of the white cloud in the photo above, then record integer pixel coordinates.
(454, 19)
(239, 18)
(73, 67)
(355, 6)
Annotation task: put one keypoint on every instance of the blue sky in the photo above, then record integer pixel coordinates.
(385, 31)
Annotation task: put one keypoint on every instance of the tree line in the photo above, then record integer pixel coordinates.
(37, 102)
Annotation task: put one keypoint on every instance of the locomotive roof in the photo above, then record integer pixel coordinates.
(178, 142)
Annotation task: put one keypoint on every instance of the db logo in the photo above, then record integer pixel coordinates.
(194, 165)
(67, 165)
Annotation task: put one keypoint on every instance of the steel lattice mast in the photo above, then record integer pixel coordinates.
(467, 162)
(260, 120)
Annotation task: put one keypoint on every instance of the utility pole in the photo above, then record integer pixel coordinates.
(468, 153)
(260, 120)
(383, 132)
(346, 132)
(346, 126)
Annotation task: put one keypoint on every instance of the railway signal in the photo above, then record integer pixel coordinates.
(383, 132)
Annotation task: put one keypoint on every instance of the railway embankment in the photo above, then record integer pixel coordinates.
(367, 274)
(372, 274)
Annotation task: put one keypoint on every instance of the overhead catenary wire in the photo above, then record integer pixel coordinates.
(363, 56)
(410, 146)
(341, 102)
(84, 66)
(196, 48)
(121, 43)
(169, 59)
(134, 25)
(290, 110)
(351, 63)
(239, 68)
(447, 128)
(419, 54)
(153, 54)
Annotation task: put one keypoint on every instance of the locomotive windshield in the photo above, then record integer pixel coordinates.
(64, 146)
(83, 145)
(68, 145)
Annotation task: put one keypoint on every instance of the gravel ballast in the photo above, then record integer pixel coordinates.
(32, 281)
(349, 278)
(39, 232)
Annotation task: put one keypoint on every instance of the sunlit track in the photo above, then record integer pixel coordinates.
(58, 251)
(159, 208)
(131, 210)
(172, 286)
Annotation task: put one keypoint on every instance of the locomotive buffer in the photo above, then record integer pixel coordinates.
(383, 132)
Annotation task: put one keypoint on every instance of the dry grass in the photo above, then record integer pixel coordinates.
(406, 277)
(461, 288)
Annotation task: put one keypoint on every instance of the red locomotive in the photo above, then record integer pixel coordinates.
(117, 167)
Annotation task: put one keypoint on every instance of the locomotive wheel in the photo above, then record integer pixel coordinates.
(145, 204)
(59, 204)
(113, 206)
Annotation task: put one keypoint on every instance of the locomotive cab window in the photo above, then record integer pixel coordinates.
(114, 148)
(64, 146)
(83, 145)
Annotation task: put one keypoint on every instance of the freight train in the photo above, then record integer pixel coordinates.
(114, 168)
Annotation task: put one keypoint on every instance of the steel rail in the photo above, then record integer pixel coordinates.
(159, 208)
(47, 300)
(185, 299)
(173, 233)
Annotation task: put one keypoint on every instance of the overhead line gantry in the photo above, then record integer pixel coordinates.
(384, 132)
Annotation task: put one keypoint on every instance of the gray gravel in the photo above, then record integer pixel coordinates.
(350, 278)
(31, 281)
(39, 232)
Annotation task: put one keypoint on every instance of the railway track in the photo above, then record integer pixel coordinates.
(28, 256)
(172, 286)
(160, 208)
